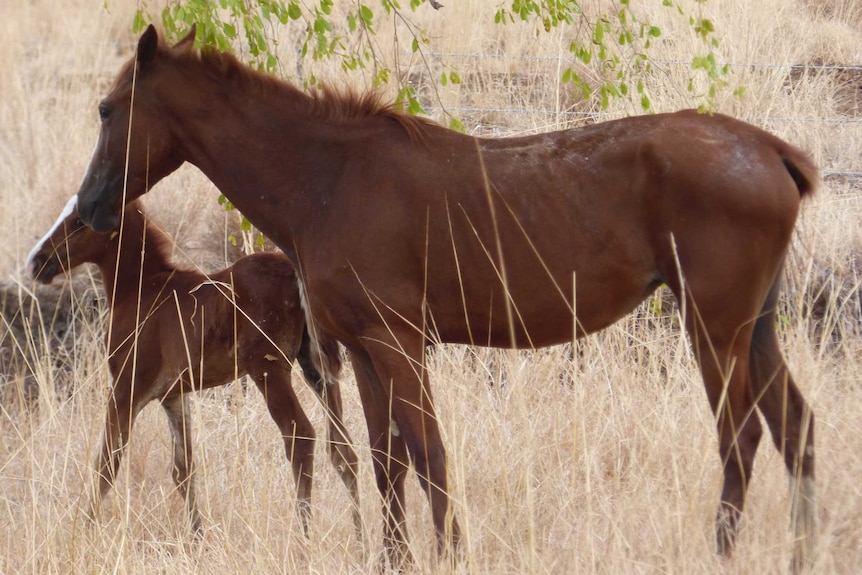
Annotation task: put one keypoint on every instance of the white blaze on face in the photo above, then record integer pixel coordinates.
(70, 207)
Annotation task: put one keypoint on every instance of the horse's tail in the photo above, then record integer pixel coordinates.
(320, 360)
(328, 357)
(801, 168)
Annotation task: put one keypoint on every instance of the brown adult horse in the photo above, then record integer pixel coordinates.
(406, 234)
(175, 331)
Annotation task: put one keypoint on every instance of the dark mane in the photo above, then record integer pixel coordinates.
(326, 102)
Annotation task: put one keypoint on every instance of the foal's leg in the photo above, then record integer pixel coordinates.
(324, 382)
(791, 423)
(389, 457)
(177, 410)
(402, 368)
(118, 425)
(273, 380)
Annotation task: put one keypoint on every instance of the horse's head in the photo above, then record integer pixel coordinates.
(68, 244)
(137, 146)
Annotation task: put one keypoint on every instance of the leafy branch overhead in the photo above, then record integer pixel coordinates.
(609, 51)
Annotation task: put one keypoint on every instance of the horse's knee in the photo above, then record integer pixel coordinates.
(428, 456)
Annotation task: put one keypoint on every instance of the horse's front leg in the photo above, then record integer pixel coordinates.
(389, 458)
(177, 409)
(401, 373)
(414, 418)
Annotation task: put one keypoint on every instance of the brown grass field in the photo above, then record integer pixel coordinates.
(599, 462)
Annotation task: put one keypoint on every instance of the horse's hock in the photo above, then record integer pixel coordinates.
(39, 334)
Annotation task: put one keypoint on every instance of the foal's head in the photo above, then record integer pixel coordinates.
(136, 146)
(70, 243)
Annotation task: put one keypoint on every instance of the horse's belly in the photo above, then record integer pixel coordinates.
(539, 315)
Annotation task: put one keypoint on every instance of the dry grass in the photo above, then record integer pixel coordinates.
(604, 463)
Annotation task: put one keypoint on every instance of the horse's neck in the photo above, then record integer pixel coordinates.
(126, 269)
(247, 177)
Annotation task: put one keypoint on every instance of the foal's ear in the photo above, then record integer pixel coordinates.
(148, 45)
(188, 42)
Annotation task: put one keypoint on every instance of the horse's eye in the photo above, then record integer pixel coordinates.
(104, 112)
(78, 223)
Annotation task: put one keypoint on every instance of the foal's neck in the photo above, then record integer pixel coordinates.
(133, 258)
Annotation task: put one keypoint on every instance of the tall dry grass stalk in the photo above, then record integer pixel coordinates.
(600, 461)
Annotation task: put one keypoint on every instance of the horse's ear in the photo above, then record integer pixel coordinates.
(148, 45)
(188, 42)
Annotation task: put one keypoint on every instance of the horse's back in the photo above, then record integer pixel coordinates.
(614, 211)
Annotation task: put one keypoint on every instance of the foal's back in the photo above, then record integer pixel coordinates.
(243, 316)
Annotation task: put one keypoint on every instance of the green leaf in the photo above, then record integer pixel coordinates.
(245, 225)
(415, 107)
(294, 12)
(139, 22)
(382, 77)
(366, 14)
(599, 34)
(322, 25)
(271, 62)
(455, 124)
(645, 102)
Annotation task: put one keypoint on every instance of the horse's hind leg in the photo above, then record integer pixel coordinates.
(273, 380)
(724, 365)
(791, 423)
(177, 410)
(320, 367)
(721, 336)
